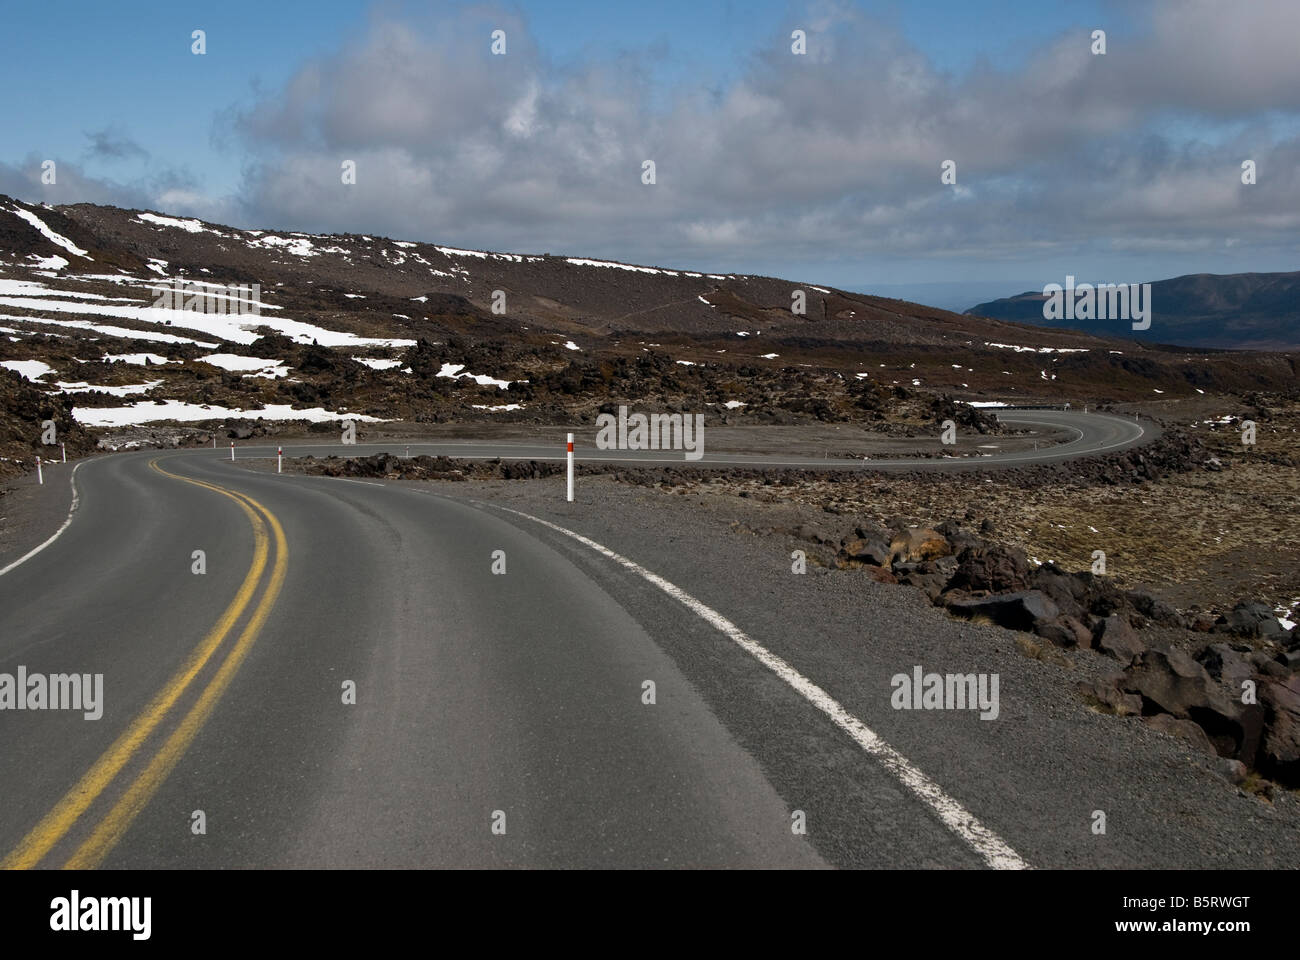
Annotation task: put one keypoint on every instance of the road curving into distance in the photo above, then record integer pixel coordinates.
(343, 678)
(1093, 434)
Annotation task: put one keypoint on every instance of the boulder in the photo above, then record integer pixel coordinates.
(1015, 611)
(1250, 620)
(1064, 631)
(1153, 608)
(993, 569)
(870, 530)
(1106, 692)
(1264, 664)
(857, 551)
(1083, 636)
(1279, 751)
(1234, 771)
(944, 565)
(1169, 681)
(927, 576)
(1119, 640)
(1230, 665)
(958, 536)
(1061, 587)
(1184, 730)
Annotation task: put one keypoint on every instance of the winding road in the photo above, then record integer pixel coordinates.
(356, 674)
(1092, 434)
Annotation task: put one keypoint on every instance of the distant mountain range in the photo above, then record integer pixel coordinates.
(1257, 311)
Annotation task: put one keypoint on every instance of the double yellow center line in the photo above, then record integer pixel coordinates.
(105, 835)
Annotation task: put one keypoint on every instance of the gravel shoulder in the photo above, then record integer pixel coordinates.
(31, 512)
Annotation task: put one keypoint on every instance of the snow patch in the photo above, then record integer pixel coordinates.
(453, 370)
(128, 390)
(189, 226)
(618, 266)
(249, 366)
(50, 235)
(137, 359)
(30, 369)
(181, 411)
(377, 363)
(1018, 349)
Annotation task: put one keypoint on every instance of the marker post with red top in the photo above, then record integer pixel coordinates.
(570, 468)
(232, 450)
(279, 459)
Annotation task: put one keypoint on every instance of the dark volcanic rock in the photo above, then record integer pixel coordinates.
(1279, 753)
(991, 568)
(1118, 639)
(1106, 691)
(1183, 729)
(1172, 682)
(1016, 611)
(959, 537)
(929, 576)
(873, 552)
(1064, 631)
(1230, 665)
(1153, 608)
(1251, 620)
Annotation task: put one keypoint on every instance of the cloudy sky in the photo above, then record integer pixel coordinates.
(823, 167)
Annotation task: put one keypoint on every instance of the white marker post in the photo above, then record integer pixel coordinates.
(214, 441)
(40, 477)
(232, 450)
(570, 468)
(279, 459)
(64, 448)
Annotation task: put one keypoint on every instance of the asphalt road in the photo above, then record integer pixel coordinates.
(1090, 434)
(350, 684)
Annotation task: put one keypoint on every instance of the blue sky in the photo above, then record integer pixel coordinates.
(99, 69)
(822, 168)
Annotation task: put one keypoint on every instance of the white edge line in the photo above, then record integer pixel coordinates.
(76, 499)
(993, 849)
